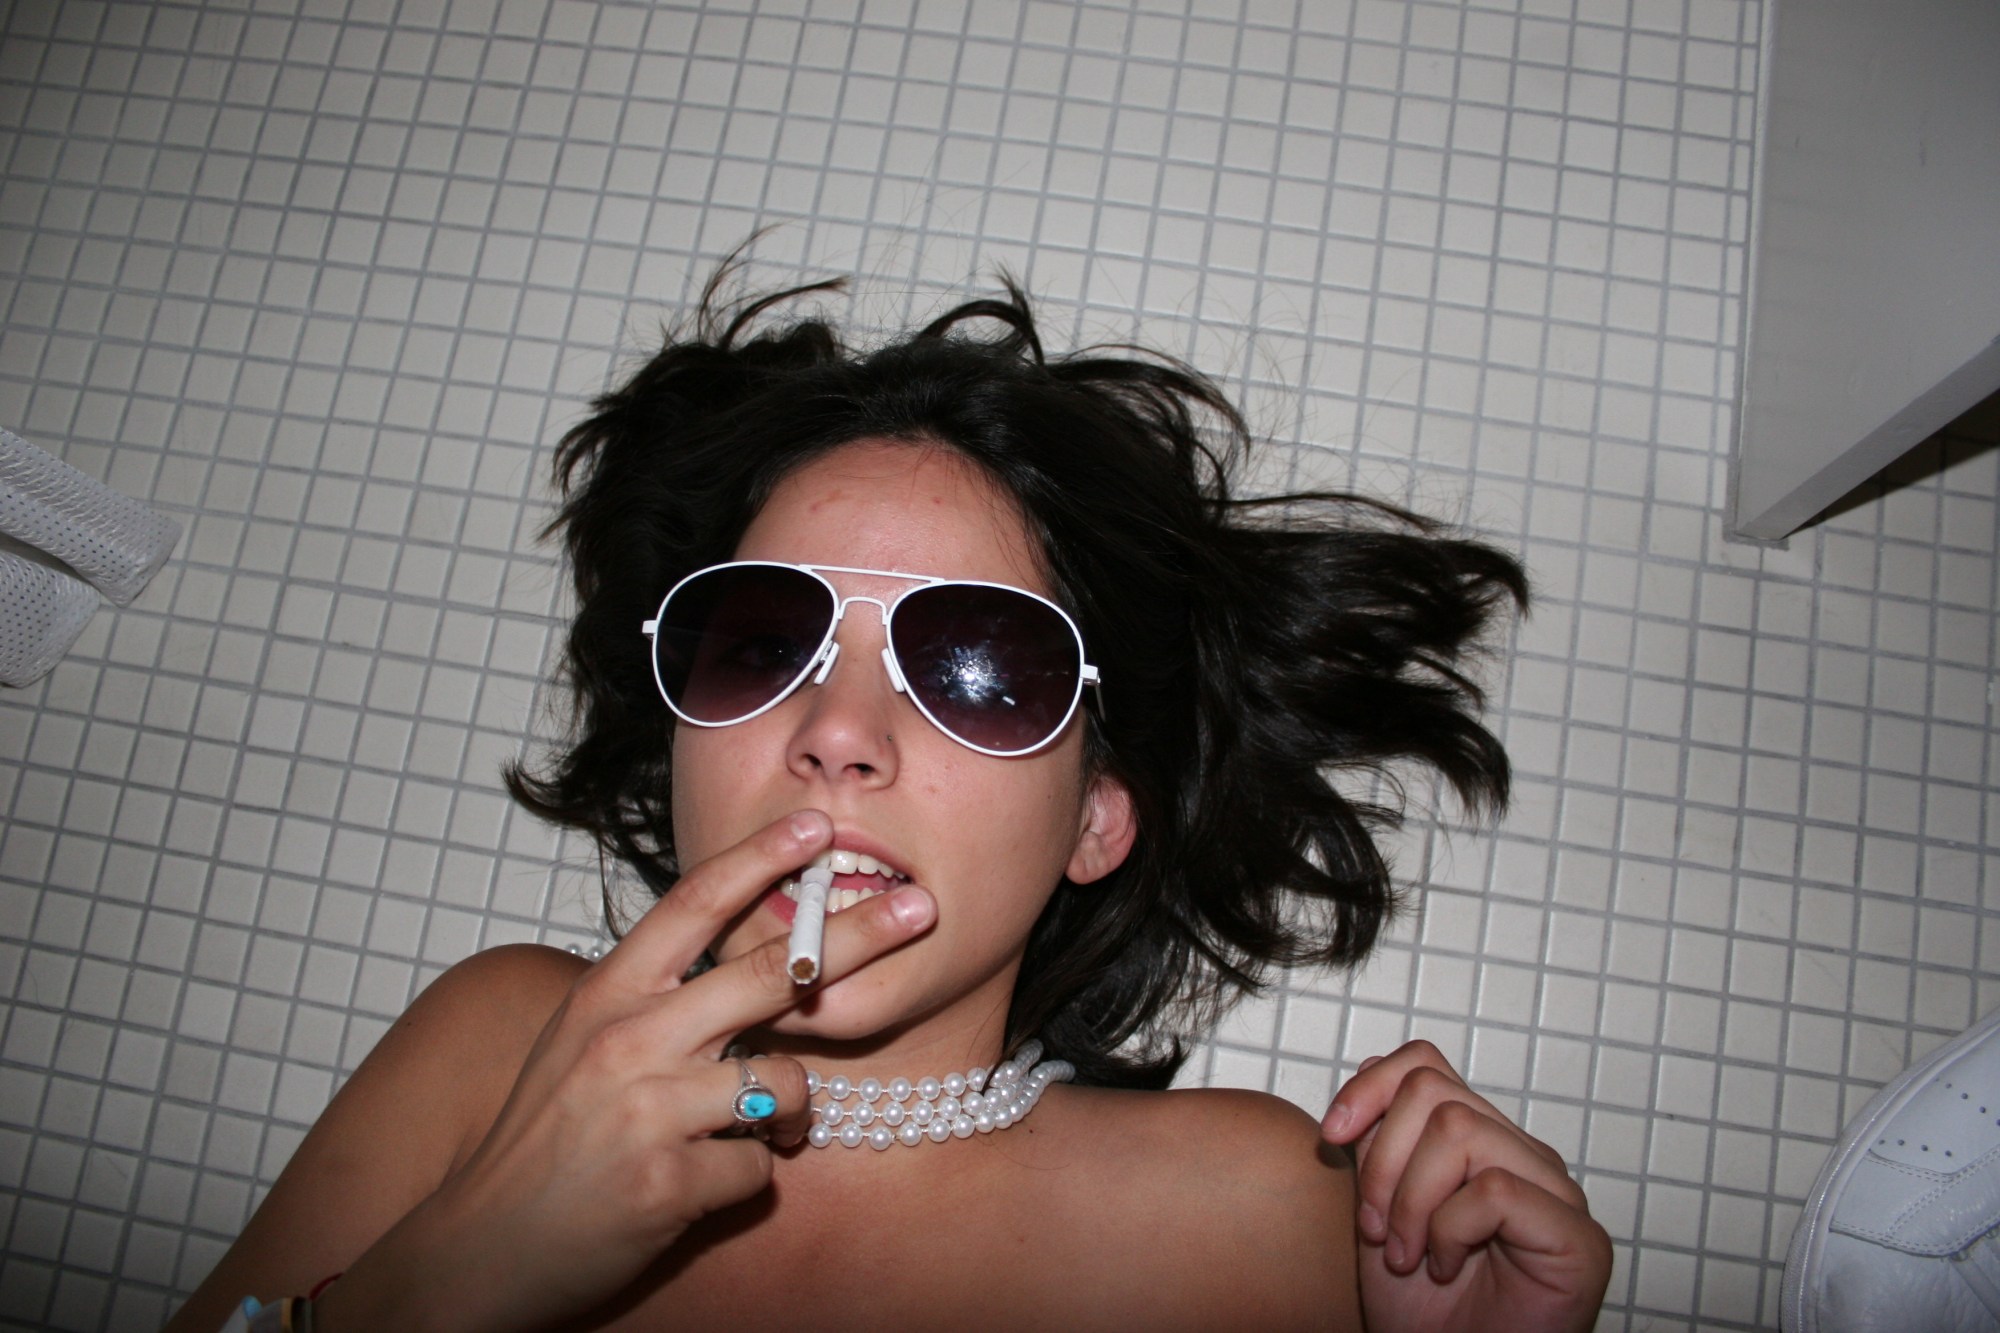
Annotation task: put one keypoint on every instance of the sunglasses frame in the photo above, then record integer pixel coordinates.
(819, 665)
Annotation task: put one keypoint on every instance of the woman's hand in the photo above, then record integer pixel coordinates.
(1463, 1220)
(608, 1147)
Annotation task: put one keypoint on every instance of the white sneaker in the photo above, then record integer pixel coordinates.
(1902, 1228)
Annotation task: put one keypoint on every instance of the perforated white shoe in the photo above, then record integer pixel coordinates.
(1902, 1228)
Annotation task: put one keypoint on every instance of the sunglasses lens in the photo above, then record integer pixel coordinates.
(994, 667)
(731, 640)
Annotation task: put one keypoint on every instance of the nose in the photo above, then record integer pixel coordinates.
(845, 733)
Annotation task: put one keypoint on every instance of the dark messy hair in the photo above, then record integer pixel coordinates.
(1252, 649)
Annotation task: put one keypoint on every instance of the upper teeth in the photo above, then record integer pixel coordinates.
(847, 863)
(843, 862)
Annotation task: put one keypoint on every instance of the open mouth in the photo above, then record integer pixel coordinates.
(857, 877)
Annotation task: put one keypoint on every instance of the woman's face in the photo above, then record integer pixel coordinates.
(990, 838)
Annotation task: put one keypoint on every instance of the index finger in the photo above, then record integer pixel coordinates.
(1363, 1099)
(672, 934)
(1385, 1108)
(758, 986)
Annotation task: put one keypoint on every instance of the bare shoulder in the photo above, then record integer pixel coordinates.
(1242, 1198)
(460, 1044)
(1246, 1145)
(506, 994)
(413, 1110)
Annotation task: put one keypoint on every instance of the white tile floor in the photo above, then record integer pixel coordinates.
(323, 279)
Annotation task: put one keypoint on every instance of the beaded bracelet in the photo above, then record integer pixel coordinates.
(293, 1314)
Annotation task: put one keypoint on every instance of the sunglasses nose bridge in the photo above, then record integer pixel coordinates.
(840, 611)
(889, 663)
(818, 675)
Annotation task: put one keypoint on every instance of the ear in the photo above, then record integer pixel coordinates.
(1109, 826)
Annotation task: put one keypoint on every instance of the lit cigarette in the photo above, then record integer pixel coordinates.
(809, 925)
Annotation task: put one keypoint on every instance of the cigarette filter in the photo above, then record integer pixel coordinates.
(809, 925)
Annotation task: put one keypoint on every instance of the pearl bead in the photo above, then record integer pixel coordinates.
(955, 1106)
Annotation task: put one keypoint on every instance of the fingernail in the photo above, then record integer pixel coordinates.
(1432, 1262)
(1392, 1250)
(1371, 1222)
(808, 825)
(913, 907)
(1337, 1121)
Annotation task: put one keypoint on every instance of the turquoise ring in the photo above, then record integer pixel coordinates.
(754, 1101)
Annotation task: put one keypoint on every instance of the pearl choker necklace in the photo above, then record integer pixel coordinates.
(956, 1106)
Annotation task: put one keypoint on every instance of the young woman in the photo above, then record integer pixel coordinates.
(986, 635)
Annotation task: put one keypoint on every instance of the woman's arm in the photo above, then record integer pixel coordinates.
(415, 1108)
(609, 1141)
